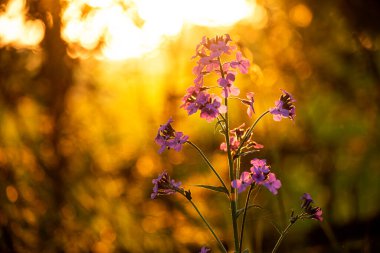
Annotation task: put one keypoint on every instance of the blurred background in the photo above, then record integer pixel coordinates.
(85, 84)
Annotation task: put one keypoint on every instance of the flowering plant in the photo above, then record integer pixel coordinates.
(238, 141)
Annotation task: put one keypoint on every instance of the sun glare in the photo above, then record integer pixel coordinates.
(15, 30)
(119, 29)
(130, 28)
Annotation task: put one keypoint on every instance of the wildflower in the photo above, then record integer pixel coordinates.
(212, 108)
(238, 131)
(204, 250)
(260, 175)
(249, 102)
(272, 183)
(168, 138)
(284, 107)
(163, 185)
(234, 144)
(241, 63)
(243, 182)
(259, 170)
(310, 211)
(227, 84)
(307, 200)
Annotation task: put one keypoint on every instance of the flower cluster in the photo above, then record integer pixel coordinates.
(237, 136)
(209, 52)
(259, 174)
(168, 138)
(163, 185)
(309, 210)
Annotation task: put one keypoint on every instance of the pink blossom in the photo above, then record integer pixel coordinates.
(227, 84)
(284, 108)
(249, 102)
(272, 183)
(241, 63)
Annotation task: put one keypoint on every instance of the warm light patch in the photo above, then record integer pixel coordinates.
(12, 193)
(130, 28)
(15, 30)
(301, 15)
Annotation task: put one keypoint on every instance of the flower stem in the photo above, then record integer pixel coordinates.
(248, 134)
(283, 233)
(231, 168)
(221, 246)
(209, 164)
(244, 214)
(232, 177)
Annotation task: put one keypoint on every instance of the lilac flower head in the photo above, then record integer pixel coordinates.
(284, 107)
(163, 185)
(168, 138)
(204, 250)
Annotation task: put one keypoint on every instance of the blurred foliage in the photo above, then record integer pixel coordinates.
(77, 152)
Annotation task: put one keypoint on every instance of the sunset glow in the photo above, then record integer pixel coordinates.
(131, 28)
(16, 30)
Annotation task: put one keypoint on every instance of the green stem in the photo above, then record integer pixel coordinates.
(232, 177)
(247, 135)
(237, 174)
(231, 169)
(221, 246)
(282, 236)
(244, 214)
(208, 163)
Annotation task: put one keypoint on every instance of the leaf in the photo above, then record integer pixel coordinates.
(241, 210)
(245, 251)
(213, 188)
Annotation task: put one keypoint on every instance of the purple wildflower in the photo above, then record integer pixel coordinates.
(311, 211)
(272, 183)
(204, 250)
(307, 200)
(168, 138)
(228, 87)
(259, 174)
(210, 105)
(241, 63)
(259, 170)
(284, 107)
(163, 185)
(249, 102)
(242, 183)
(212, 108)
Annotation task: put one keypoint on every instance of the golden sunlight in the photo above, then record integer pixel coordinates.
(15, 30)
(130, 28)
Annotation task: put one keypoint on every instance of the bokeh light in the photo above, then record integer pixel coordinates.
(16, 30)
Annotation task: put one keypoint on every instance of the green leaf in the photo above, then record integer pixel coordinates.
(241, 210)
(213, 188)
(245, 251)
